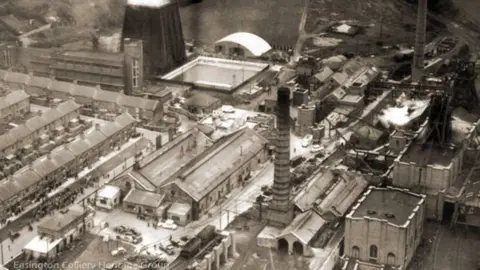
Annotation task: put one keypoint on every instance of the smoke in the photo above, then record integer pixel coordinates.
(148, 3)
(405, 111)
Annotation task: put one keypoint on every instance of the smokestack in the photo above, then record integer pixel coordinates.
(418, 65)
(158, 25)
(280, 212)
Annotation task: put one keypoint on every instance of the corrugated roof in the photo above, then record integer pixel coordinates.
(145, 198)
(304, 227)
(318, 186)
(229, 155)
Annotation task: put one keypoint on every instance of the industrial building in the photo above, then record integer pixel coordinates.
(35, 180)
(384, 229)
(242, 44)
(14, 105)
(175, 169)
(95, 100)
(111, 71)
(160, 29)
(56, 233)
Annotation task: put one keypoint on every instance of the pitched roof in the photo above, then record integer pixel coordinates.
(229, 154)
(16, 97)
(304, 226)
(144, 198)
(201, 100)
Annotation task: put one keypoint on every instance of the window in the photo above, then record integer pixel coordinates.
(103, 201)
(135, 73)
(373, 253)
(355, 252)
(175, 218)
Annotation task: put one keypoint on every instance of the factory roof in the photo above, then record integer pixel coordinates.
(40, 168)
(324, 74)
(394, 205)
(97, 57)
(59, 221)
(255, 44)
(33, 124)
(160, 166)
(429, 154)
(144, 198)
(367, 132)
(201, 100)
(331, 192)
(120, 157)
(304, 227)
(229, 154)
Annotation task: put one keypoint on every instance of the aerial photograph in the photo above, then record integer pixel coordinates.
(240, 134)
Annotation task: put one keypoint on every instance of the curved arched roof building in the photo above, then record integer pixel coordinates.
(242, 44)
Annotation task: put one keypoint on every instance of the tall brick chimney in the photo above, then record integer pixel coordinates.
(280, 212)
(418, 65)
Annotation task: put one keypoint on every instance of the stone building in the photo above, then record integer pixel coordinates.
(384, 229)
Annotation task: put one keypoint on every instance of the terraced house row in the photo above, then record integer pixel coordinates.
(99, 101)
(15, 104)
(33, 181)
(27, 133)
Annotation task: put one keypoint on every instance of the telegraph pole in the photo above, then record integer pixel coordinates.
(1, 250)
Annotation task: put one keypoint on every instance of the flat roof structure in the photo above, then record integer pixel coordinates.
(394, 205)
(42, 245)
(109, 192)
(429, 155)
(216, 74)
(59, 221)
(180, 209)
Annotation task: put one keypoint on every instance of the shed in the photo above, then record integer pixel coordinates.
(108, 197)
(202, 103)
(180, 213)
(143, 203)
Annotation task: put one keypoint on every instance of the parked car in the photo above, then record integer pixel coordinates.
(307, 140)
(120, 229)
(168, 224)
(316, 148)
(119, 251)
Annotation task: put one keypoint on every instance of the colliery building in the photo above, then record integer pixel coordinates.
(384, 229)
(197, 173)
(14, 105)
(37, 179)
(95, 100)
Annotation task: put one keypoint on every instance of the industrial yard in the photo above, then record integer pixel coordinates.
(208, 135)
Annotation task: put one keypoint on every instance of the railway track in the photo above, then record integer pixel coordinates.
(179, 264)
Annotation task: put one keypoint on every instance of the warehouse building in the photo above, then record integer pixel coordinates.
(35, 180)
(194, 171)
